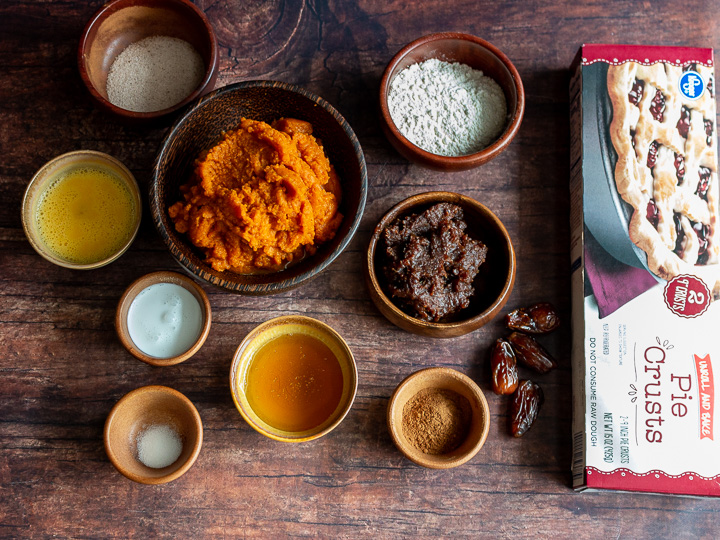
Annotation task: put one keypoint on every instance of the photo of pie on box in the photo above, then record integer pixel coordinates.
(667, 165)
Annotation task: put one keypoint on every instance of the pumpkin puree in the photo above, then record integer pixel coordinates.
(263, 197)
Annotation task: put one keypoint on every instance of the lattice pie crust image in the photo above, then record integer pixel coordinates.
(667, 167)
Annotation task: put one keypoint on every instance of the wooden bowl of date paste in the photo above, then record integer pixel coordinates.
(432, 388)
(492, 285)
(474, 143)
(145, 59)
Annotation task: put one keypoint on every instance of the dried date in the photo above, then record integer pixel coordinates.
(538, 319)
(530, 353)
(524, 407)
(504, 368)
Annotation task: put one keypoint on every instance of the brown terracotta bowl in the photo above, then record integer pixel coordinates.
(135, 288)
(122, 22)
(447, 379)
(493, 283)
(476, 53)
(140, 409)
(269, 330)
(203, 126)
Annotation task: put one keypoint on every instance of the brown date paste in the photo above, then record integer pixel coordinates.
(430, 262)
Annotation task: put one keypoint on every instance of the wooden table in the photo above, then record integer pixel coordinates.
(63, 367)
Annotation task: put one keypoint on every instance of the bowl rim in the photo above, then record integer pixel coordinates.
(428, 460)
(467, 160)
(42, 175)
(299, 320)
(113, 6)
(435, 329)
(197, 420)
(158, 212)
(140, 284)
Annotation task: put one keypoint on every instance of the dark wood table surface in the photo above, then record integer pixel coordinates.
(62, 367)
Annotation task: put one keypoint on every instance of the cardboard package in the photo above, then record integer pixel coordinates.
(645, 254)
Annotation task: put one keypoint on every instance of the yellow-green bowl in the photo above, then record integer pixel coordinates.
(270, 330)
(53, 170)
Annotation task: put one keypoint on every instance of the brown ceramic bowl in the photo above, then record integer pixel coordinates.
(292, 324)
(203, 126)
(448, 379)
(476, 53)
(140, 284)
(122, 22)
(493, 283)
(145, 407)
(54, 169)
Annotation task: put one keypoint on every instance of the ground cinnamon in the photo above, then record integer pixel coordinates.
(436, 421)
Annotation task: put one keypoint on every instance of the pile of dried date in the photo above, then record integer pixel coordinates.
(527, 396)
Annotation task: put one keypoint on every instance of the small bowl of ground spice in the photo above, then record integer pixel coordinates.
(440, 264)
(438, 418)
(144, 59)
(451, 101)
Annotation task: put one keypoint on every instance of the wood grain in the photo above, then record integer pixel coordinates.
(63, 368)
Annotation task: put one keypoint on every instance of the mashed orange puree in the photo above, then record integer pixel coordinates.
(263, 197)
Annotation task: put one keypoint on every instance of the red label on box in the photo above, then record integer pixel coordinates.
(645, 54)
(687, 296)
(656, 481)
(706, 391)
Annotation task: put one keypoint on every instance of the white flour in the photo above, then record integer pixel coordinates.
(448, 109)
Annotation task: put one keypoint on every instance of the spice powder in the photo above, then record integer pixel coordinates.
(436, 421)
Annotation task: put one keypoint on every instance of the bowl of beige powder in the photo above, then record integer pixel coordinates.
(142, 60)
(451, 101)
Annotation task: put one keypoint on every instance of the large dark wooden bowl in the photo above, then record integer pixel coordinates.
(202, 127)
(493, 283)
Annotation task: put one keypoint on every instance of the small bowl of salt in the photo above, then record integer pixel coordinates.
(451, 101)
(153, 435)
(145, 59)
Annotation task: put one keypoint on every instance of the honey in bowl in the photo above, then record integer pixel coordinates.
(293, 379)
(86, 214)
(294, 382)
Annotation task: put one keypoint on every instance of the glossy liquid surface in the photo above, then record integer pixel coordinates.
(294, 382)
(86, 215)
(164, 320)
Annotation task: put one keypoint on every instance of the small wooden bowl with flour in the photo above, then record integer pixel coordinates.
(451, 101)
(145, 59)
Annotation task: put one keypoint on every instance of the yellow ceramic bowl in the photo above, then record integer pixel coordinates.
(63, 165)
(271, 330)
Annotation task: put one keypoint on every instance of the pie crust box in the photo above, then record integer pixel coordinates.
(645, 270)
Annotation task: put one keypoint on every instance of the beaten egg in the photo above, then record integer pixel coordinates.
(86, 215)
